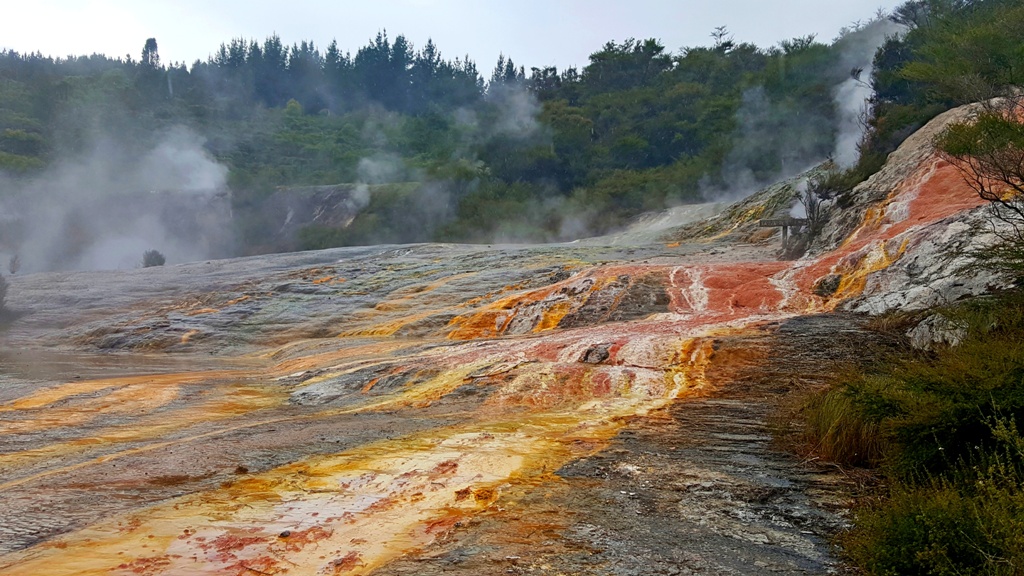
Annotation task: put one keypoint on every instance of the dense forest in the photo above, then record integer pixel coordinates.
(447, 153)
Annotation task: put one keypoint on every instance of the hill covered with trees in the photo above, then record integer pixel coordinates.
(449, 154)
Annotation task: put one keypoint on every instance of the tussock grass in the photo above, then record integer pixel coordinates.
(943, 430)
(894, 324)
(836, 429)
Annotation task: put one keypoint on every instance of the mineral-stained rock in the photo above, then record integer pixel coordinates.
(624, 298)
(596, 354)
(828, 285)
(350, 387)
(938, 268)
(915, 152)
(599, 305)
(644, 296)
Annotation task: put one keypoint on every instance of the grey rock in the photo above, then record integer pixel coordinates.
(936, 330)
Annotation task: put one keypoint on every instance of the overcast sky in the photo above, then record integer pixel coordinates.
(532, 32)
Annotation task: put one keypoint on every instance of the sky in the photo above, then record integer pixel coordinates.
(532, 32)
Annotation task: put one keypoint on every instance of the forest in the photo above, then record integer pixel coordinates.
(445, 152)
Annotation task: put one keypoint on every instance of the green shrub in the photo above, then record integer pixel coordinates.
(970, 521)
(927, 411)
(919, 531)
(942, 428)
(152, 258)
(839, 184)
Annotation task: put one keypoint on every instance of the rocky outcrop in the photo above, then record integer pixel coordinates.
(936, 329)
(290, 209)
(916, 227)
(916, 151)
(936, 269)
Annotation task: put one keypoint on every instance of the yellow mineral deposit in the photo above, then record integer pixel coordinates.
(354, 511)
(146, 402)
(551, 304)
(342, 514)
(133, 399)
(855, 274)
(406, 306)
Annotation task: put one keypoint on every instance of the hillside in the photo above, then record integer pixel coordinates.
(446, 152)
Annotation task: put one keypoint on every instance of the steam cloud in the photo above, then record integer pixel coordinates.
(799, 133)
(104, 209)
(852, 97)
(381, 169)
(432, 205)
(520, 110)
(799, 210)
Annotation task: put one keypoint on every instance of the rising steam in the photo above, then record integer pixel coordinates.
(853, 96)
(103, 209)
(798, 133)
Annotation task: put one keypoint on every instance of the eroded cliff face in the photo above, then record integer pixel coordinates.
(347, 410)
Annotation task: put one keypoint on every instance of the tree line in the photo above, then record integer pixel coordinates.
(536, 154)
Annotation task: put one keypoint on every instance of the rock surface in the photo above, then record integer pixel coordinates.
(441, 408)
(936, 330)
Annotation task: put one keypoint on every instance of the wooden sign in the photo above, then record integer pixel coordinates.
(773, 222)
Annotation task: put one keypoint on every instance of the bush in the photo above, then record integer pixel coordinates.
(922, 531)
(922, 413)
(152, 258)
(969, 522)
(942, 428)
(839, 184)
